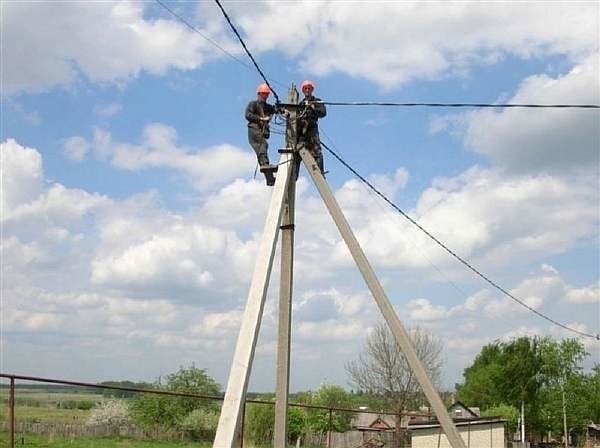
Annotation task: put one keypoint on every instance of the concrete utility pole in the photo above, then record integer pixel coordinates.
(281, 211)
(285, 287)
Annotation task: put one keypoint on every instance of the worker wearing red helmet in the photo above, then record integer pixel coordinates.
(314, 109)
(258, 114)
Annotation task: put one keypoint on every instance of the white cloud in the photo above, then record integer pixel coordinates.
(205, 168)
(185, 261)
(590, 294)
(483, 215)
(107, 110)
(22, 177)
(401, 41)
(76, 148)
(106, 42)
(557, 140)
(423, 309)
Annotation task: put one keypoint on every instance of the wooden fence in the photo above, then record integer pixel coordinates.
(92, 431)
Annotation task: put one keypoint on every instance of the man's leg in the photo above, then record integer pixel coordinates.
(260, 146)
(315, 149)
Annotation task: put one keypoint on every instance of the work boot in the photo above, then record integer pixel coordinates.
(270, 179)
(268, 168)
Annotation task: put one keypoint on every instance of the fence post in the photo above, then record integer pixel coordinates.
(11, 413)
(242, 424)
(329, 429)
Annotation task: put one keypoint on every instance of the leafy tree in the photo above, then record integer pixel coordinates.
(536, 374)
(482, 378)
(592, 385)
(562, 368)
(382, 368)
(169, 411)
(331, 396)
(505, 411)
(260, 422)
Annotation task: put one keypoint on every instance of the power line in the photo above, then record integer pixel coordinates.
(204, 36)
(246, 49)
(481, 105)
(208, 39)
(451, 252)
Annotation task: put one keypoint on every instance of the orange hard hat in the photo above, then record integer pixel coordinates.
(263, 88)
(307, 83)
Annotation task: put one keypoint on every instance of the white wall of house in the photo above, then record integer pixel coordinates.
(489, 435)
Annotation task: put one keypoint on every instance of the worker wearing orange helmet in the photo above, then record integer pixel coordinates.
(314, 109)
(258, 114)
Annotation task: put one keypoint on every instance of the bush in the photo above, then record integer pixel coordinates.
(200, 424)
(150, 410)
(113, 413)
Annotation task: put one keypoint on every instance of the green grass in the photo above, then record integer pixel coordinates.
(46, 415)
(34, 440)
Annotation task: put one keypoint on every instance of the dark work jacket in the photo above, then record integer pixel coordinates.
(312, 115)
(254, 111)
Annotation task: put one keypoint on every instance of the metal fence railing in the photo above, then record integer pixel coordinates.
(12, 426)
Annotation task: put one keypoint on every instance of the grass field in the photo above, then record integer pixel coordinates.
(46, 415)
(34, 440)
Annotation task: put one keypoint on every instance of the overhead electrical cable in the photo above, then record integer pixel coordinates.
(451, 252)
(208, 39)
(482, 105)
(246, 49)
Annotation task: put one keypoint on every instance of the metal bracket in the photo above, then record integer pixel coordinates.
(288, 227)
(286, 151)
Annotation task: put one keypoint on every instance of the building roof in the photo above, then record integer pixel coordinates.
(370, 421)
(468, 422)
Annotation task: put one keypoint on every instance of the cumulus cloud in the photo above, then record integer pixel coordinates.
(430, 43)
(186, 261)
(555, 140)
(204, 168)
(22, 175)
(483, 215)
(543, 289)
(108, 42)
(105, 42)
(76, 148)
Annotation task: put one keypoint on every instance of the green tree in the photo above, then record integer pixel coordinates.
(592, 382)
(562, 376)
(482, 379)
(169, 411)
(260, 422)
(331, 396)
(505, 411)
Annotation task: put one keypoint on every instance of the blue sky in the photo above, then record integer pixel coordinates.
(130, 216)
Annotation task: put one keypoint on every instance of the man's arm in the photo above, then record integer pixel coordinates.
(251, 114)
(319, 108)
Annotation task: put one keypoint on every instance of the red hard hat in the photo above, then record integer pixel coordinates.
(307, 83)
(263, 88)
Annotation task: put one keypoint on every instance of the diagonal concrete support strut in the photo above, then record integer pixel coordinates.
(382, 300)
(246, 343)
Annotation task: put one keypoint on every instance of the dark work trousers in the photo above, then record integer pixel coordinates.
(311, 142)
(257, 140)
